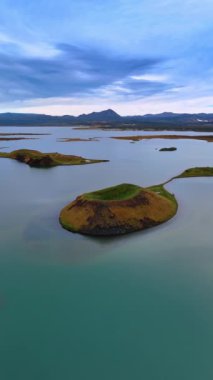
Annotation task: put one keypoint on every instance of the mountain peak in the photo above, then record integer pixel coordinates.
(110, 112)
(106, 115)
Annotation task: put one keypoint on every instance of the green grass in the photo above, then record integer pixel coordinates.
(197, 172)
(120, 192)
(160, 189)
(4, 155)
(191, 172)
(28, 152)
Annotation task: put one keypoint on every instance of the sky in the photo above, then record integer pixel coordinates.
(134, 56)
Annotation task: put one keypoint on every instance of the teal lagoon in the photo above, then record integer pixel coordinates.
(133, 307)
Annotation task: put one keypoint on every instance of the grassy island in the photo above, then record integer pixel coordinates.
(37, 159)
(118, 210)
(205, 171)
(124, 208)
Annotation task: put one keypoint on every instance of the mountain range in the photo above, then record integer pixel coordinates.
(109, 118)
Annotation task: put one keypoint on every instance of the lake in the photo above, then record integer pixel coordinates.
(134, 307)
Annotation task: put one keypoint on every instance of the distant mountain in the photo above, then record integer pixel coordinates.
(176, 121)
(25, 119)
(111, 119)
(37, 119)
(173, 117)
(103, 116)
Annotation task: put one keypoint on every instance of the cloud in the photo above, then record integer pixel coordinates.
(117, 52)
(150, 77)
(72, 71)
(11, 45)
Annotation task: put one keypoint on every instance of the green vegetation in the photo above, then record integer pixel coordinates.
(197, 172)
(160, 189)
(120, 192)
(35, 158)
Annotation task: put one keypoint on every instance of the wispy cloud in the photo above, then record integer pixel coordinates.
(72, 71)
(11, 45)
(150, 77)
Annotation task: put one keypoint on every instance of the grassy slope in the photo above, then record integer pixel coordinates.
(196, 172)
(159, 189)
(188, 173)
(127, 191)
(120, 192)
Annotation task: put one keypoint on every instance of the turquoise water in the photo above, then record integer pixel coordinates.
(133, 307)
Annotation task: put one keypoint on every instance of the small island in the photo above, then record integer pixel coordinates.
(206, 171)
(118, 210)
(7, 136)
(172, 149)
(38, 159)
(17, 138)
(78, 139)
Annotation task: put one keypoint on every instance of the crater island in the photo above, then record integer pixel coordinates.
(124, 208)
(118, 210)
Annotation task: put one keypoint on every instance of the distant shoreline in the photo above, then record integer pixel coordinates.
(114, 127)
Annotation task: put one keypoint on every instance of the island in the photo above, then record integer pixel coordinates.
(172, 149)
(78, 139)
(208, 138)
(37, 159)
(17, 138)
(23, 134)
(5, 136)
(124, 208)
(206, 171)
(118, 210)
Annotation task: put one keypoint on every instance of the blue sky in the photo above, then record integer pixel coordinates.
(135, 56)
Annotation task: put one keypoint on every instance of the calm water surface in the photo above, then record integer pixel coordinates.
(132, 307)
